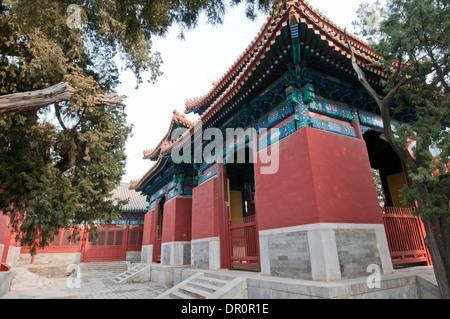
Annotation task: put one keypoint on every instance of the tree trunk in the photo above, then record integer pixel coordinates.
(19, 102)
(437, 249)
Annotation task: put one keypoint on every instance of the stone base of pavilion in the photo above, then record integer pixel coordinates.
(406, 283)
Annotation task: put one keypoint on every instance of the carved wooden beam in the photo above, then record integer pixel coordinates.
(31, 100)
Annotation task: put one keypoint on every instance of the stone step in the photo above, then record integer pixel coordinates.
(179, 295)
(105, 266)
(118, 271)
(197, 284)
(194, 292)
(207, 285)
(213, 281)
(122, 277)
(102, 269)
(223, 277)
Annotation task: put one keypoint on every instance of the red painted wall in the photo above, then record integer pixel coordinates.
(149, 228)
(322, 178)
(177, 220)
(4, 228)
(4, 238)
(147, 238)
(345, 190)
(205, 214)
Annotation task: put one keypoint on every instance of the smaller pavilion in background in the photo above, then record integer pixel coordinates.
(119, 241)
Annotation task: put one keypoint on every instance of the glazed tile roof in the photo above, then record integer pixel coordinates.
(136, 203)
(178, 120)
(313, 25)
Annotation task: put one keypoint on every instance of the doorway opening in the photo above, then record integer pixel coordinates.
(242, 226)
(405, 232)
(389, 173)
(159, 229)
(241, 190)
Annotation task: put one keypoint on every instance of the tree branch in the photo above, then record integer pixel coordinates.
(58, 116)
(32, 100)
(19, 102)
(383, 104)
(109, 99)
(361, 76)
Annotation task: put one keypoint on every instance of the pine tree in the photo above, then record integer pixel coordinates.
(413, 37)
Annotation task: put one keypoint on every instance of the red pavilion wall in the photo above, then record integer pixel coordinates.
(148, 234)
(4, 238)
(322, 178)
(177, 220)
(205, 210)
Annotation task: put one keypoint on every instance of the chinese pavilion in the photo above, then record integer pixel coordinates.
(121, 240)
(316, 216)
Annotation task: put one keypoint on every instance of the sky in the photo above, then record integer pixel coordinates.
(190, 67)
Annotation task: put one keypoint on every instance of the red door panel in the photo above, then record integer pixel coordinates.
(109, 246)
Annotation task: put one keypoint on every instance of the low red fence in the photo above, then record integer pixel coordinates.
(244, 243)
(405, 235)
(112, 244)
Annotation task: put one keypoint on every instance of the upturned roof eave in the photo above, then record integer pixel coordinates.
(177, 119)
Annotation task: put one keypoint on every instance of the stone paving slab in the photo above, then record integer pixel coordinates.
(28, 286)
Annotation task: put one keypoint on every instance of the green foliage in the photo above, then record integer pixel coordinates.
(55, 176)
(419, 32)
(413, 37)
(378, 186)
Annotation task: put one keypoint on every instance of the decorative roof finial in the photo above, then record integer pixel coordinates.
(293, 17)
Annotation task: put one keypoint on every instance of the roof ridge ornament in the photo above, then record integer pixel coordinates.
(288, 4)
(293, 16)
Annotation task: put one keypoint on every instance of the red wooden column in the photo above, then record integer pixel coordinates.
(357, 127)
(125, 239)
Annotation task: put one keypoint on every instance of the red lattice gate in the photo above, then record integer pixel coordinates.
(244, 243)
(405, 235)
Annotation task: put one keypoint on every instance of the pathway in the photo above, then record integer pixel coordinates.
(26, 285)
